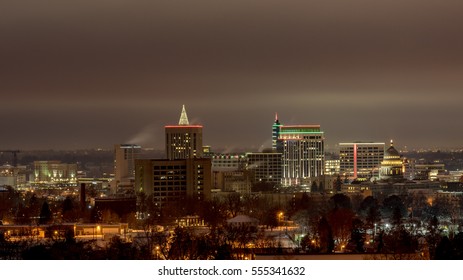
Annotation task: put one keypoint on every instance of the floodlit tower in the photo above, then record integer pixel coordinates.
(184, 141)
(303, 153)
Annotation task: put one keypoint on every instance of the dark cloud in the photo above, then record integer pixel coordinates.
(362, 69)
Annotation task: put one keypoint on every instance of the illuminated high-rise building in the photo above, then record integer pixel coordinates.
(302, 147)
(184, 141)
(275, 133)
(360, 159)
(185, 174)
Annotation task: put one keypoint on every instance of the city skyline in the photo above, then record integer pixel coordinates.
(89, 75)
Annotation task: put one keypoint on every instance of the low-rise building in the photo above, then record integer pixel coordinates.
(54, 172)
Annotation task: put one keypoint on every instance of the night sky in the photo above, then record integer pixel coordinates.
(93, 73)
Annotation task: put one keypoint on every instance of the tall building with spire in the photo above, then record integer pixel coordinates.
(275, 133)
(184, 141)
(185, 173)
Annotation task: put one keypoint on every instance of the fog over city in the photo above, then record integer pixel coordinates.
(86, 74)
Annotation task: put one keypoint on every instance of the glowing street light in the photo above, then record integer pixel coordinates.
(280, 218)
(157, 252)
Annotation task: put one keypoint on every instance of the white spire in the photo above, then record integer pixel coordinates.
(183, 117)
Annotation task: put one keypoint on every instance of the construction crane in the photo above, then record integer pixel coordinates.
(15, 155)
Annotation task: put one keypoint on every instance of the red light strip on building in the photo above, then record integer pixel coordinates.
(183, 126)
(355, 160)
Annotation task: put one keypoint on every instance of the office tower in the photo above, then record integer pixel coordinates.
(172, 180)
(265, 166)
(275, 133)
(302, 147)
(360, 159)
(332, 167)
(124, 168)
(124, 161)
(184, 174)
(184, 141)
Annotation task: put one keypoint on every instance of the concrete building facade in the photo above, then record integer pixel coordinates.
(124, 166)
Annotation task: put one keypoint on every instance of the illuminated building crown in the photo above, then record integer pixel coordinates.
(183, 117)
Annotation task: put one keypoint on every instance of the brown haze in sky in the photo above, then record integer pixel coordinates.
(78, 74)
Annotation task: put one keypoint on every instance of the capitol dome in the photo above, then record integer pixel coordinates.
(391, 152)
(392, 165)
